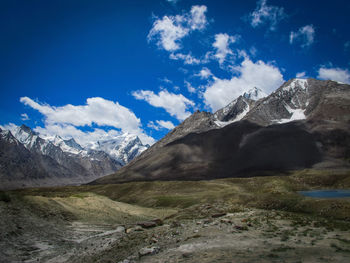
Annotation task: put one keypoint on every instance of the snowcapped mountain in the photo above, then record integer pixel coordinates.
(287, 103)
(69, 146)
(65, 161)
(254, 94)
(238, 108)
(123, 148)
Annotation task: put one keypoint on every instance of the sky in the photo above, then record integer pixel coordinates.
(95, 69)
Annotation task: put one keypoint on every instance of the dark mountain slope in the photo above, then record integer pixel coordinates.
(236, 150)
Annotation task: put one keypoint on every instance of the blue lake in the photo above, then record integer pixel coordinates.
(326, 193)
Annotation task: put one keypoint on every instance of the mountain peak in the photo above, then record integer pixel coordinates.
(254, 94)
(295, 83)
(25, 128)
(72, 143)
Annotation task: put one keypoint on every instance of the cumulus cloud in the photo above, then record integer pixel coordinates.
(264, 14)
(96, 111)
(169, 30)
(175, 104)
(204, 73)
(197, 20)
(305, 36)
(222, 45)
(160, 124)
(263, 75)
(336, 74)
(24, 117)
(300, 74)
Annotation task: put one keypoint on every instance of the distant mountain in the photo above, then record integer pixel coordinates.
(61, 162)
(123, 148)
(304, 123)
(19, 167)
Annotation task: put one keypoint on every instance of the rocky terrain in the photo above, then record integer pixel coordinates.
(304, 123)
(260, 219)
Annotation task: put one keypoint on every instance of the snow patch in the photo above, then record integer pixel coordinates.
(301, 83)
(296, 114)
(238, 118)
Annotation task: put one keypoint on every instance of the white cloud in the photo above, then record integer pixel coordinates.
(24, 117)
(152, 125)
(187, 58)
(220, 92)
(198, 20)
(305, 36)
(96, 111)
(10, 126)
(221, 44)
(266, 14)
(166, 124)
(175, 104)
(336, 74)
(189, 87)
(204, 73)
(160, 124)
(300, 74)
(166, 80)
(169, 30)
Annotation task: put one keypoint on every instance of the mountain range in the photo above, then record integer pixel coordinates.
(304, 123)
(27, 159)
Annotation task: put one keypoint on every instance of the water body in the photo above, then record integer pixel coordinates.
(326, 193)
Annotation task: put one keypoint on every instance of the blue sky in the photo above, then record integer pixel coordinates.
(92, 69)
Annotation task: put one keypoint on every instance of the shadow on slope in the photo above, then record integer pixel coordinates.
(241, 149)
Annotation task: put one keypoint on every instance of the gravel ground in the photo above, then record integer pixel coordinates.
(201, 233)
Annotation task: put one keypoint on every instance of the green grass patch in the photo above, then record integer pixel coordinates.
(175, 201)
(275, 192)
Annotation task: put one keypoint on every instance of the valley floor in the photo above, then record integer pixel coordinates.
(260, 219)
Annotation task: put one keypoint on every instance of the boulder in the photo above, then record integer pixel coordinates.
(148, 251)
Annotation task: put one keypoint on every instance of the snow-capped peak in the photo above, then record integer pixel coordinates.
(296, 83)
(124, 147)
(7, 135)
(25, 135)
(70, 145)
(254, 94)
